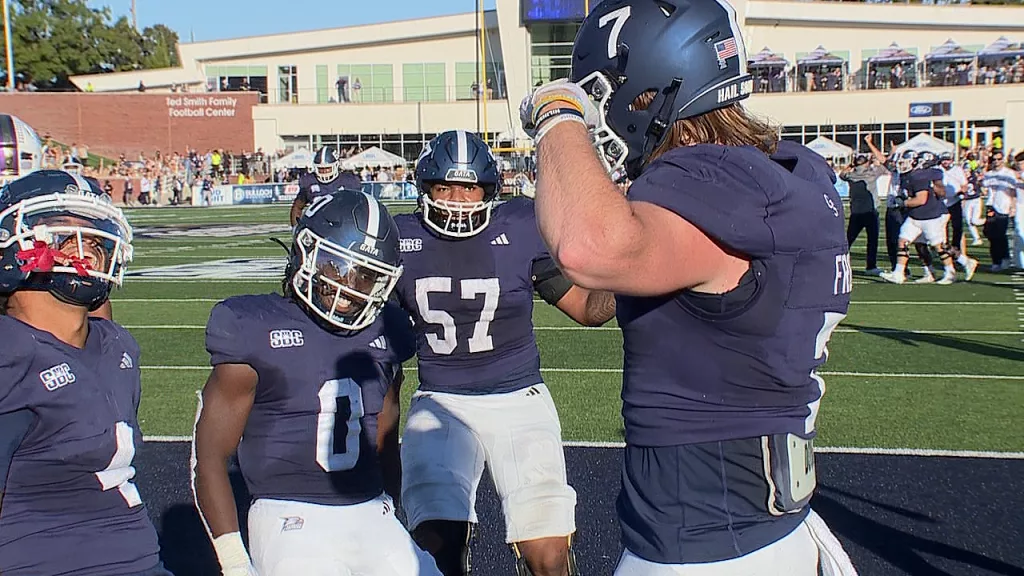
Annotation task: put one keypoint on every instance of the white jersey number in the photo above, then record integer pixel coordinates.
(470, 288)
(337, 439)
(119, 472)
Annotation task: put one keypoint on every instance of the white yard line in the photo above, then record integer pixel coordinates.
(619, 371)
(923, 452)
(615, 329)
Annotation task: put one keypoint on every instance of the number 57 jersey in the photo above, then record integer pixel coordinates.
(311, 435)
(471, 300)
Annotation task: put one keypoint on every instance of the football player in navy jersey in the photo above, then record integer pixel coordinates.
(471, 269)
(305, 387)
(927, 217)
(69, 387)
(731, 269)
(326, 177)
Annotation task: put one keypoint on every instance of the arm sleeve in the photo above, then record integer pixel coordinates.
(13, 428)
(704, 188)
(226, 338)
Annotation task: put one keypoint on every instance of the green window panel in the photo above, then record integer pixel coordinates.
(465, 76)
(321, 84)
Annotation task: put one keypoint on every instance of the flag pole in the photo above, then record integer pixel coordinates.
(10, 49)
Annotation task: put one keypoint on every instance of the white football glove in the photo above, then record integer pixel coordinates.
(535, 120)
(231, 554)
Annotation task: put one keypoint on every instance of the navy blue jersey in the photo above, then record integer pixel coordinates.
(69, 504)
(312, 433)
(973, 185)
(472, 302)
(922, 180)
(310, 187)
(692, 376)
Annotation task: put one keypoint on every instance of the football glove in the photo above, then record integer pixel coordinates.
(231, 554)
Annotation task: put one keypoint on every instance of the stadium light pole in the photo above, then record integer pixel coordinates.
(10, 49)
(479, 32)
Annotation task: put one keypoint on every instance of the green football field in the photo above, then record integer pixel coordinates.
(911, 367)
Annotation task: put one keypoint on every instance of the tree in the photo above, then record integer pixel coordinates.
(56, 39)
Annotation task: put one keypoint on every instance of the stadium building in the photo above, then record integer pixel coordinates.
(834, 69)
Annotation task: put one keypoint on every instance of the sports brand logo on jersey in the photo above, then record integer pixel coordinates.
(501, 240)
(380, 343)
(286, 338)
(57, 377)
(410, 245)
(126, 362)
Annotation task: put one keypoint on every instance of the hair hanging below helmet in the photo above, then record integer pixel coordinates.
(457, 158)
(685, 57)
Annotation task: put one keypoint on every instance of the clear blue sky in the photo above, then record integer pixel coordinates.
(219, 19)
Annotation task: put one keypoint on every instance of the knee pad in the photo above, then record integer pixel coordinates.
(945, 250)
(541, 510)
(522, 569)
(453, 555)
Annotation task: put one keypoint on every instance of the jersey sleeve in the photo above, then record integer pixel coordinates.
(709, 190)
(226, 337)
(15, 362)
(13, 428)
(398, 331)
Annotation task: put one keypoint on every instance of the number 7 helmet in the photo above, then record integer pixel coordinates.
(344, 261)
(688, 53)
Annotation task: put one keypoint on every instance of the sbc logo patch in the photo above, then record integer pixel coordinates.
(57, 377)
(286, 338)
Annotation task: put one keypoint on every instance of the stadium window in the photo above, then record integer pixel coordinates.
(423, 82)
(374, 83)
(321, 84)
(551, 50)
(921, 126)
(288, 84)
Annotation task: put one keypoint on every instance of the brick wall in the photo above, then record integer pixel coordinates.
(111, 124)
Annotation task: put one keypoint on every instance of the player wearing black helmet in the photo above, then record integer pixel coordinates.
(730, 265)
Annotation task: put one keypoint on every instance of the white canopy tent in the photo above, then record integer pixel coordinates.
(299, 158)
(373, 157)
(829, 148)
(926, 142)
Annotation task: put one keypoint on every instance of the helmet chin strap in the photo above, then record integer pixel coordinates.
(662, 122)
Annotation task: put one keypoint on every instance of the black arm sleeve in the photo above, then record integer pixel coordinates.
(548, 280)
(13, 428)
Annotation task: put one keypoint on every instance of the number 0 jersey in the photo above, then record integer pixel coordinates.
(472, 302)
(69, 504)
(312, 433)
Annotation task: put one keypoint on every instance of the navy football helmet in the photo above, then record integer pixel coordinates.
(344, 262)
(690, 52)
(926, 159)
(906, 161)
(60, 233)
(326, 164)
(459, 157)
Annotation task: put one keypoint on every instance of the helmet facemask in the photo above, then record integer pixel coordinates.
(326, 172)
(612, 149)
(455, 219)
(344, 288)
